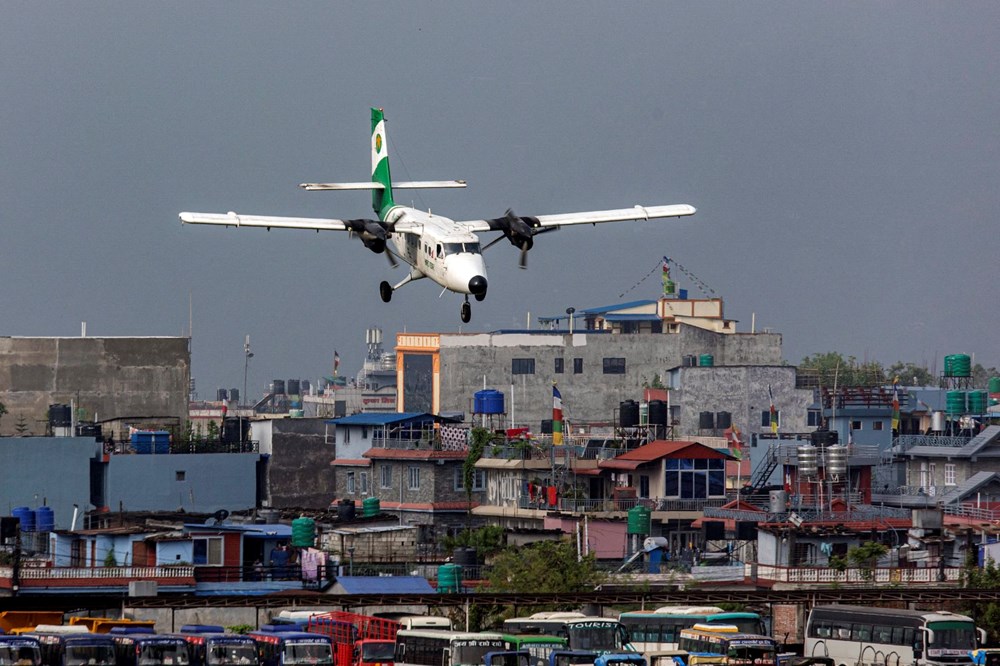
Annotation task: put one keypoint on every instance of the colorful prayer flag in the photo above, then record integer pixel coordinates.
(557, 417)
(336, 362)
(774, 412)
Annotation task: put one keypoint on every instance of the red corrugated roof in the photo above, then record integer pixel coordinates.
(660, 449)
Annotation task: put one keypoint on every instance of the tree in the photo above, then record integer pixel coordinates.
(487, 540)
(21, 425)
(546, 566)
(911, 374)
(866, 556)
(3, 410)
(986, 614)
(832, 368)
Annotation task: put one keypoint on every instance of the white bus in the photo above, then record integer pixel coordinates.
(597, 634)
(436, 647)
(659, 630)
(891, 637)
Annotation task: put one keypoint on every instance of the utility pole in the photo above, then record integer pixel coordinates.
(247, 355)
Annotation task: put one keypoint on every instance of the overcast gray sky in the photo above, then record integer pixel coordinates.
(843, 158)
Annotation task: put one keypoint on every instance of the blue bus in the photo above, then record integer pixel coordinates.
(74, 648)
(20, 651)
(139, 646)
(278, 647)
(210, 645)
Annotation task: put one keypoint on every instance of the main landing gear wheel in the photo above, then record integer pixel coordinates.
(466, 312)
(480, 297)
(385, 291)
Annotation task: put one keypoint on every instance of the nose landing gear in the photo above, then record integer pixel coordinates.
(466, 311)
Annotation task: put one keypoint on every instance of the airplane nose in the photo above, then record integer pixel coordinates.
(477, 285)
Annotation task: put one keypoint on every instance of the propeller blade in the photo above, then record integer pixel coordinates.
(391, 258)
(523, 261)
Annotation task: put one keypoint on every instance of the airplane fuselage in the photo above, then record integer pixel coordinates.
(442, 250)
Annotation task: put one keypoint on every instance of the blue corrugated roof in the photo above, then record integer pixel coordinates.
(385, 585)
(271, 530)
(617, 306)
(374, 419)
(631, 317)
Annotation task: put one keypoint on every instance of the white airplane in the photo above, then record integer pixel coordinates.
(446, 251)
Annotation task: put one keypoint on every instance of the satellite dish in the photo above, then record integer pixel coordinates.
(220, 515)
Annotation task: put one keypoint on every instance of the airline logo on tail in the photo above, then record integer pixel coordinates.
(381, 199)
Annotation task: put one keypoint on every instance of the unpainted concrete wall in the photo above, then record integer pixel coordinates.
(105, 378)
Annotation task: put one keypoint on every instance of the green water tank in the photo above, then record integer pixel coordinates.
(371, 507)
(955, 402)
(961, 365)
(994, 385)
(639, 520)
(449, 578)
(303, 532)
(706, 360)
(977, 402)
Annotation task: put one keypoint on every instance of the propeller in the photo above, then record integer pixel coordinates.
(519, 231)
(373, 233)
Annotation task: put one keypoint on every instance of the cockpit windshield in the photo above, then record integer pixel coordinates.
(457, 248)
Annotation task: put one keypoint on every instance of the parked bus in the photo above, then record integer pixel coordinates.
(276, 647)
(210, 645)
(436, 647)
(659, 630)
(139, 646)
(62, 645)
(599, 634)
(20, 651)
(537, 646)
(722, 645)
(848, 634)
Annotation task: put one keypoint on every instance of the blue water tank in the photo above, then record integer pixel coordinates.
(488, 401)
(151, 441)
(26, 516)
(45, 519)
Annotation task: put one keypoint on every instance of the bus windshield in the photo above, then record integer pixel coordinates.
(308, 654)
(163, 654)
(90, 655)
(24, 655)
(595, 635)
(757, 655)
(227, 655)
(951, 638)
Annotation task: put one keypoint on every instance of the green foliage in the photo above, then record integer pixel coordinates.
(838, 563)
(487, 540)
(240, 628)
(911, 374)
(866, 556)
(986, 615)
(213, 431)
(479, 438)
(110, 560)
(546, 566)
(832, 368)
(656, 382)
(3, 410)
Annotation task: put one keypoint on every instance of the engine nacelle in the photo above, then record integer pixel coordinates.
(375, 244)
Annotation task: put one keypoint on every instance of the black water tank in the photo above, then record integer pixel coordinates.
(658, 413)
(546, 426)
(629, 414)
(294, 387)
(221, 395)
(715, 530)
(689, 361)
(706, 421)
(746, 530)
(60, 416)
(234, 395)
(346, 511)
(823, 437)
(467, 557)
(723, 420)
(278, 387)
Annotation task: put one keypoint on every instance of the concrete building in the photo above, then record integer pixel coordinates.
(102, 377)
(298, 453)
(596, 369)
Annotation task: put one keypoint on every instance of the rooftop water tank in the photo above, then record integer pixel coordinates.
(706, 360)
(487, 401)
(808, 467)
(628, 414)
(449, 578)
(371, 506)
(658, 413)
(706, 420)
(278, 387)
(26, 516)
(955, 402)
(346, 511)
(978, 401)
(294, 387)
(836, 461)
(639, 520)
(45, 519)
(221, 395)
(723, 420)
(303, 532)
(60, 416)
(778, 501)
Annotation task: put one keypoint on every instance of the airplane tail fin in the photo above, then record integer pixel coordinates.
(381, 198)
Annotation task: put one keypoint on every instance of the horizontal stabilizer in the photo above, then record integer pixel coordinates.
(404, 185)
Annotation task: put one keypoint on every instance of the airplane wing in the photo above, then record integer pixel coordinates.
(234, 220)
(402, 185)
(583, 217)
